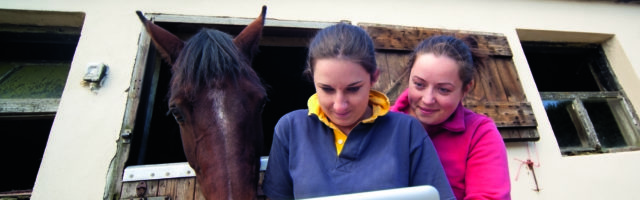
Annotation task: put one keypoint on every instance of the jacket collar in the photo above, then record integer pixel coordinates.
(455, 123)
(378, 101)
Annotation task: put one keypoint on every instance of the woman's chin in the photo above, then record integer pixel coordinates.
(427, 120)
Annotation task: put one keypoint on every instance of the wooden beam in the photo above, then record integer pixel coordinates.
(42, 18)
(523, 134)
(393, 37)
(29, 105)
(506, 114)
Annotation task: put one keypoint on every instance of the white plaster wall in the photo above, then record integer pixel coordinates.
(82, 141)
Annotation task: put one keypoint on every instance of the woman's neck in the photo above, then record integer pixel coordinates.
(367, 114)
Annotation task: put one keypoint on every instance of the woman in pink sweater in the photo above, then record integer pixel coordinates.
(469, 145)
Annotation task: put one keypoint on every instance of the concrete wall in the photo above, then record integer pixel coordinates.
(82, 141)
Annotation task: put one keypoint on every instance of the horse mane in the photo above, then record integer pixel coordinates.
(209, 59)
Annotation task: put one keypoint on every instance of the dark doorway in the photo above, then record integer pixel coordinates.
(34, 65)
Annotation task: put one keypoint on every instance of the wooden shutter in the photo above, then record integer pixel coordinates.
(498, 92)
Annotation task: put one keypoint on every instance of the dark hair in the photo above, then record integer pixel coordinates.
(469, 60)
(342, 41)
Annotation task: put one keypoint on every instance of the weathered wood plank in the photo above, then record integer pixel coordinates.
(488, 85)
(394, 74)
(521, 134)
(177, 188)
(384, 79)
(510, 79)
(16, 195)
(393, 37)
(129, 190)
(128, 122)
(152, 198)
(477, 93)
(152, 187)
(29, 105)
(174, 188)
(166, 187)
(493, 81)
(506, 114)
(396, 61)
(401, 83)
(485, 83)
(185, 188)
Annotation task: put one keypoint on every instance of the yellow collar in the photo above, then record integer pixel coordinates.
(377, 100)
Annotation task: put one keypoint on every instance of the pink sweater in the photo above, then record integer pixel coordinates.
(472, 153)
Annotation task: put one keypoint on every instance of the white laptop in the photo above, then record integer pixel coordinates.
(424, 192)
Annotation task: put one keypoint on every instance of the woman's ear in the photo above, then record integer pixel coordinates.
(374, 77)
(467, 88)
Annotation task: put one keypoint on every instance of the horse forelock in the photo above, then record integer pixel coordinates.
(209, 60)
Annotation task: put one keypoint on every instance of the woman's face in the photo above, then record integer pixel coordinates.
(343, 91)
(435, 88)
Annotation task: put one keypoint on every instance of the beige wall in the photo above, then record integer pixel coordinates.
(82, 142)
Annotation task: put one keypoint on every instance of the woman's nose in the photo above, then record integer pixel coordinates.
(340, 104)
(428, 97)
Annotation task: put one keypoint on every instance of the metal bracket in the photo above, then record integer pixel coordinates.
(141, 189)
(126, 136)
(152, 198)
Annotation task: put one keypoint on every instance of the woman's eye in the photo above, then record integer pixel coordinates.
(444, 90)
(418, 85)
(353, 89)
(327, 90)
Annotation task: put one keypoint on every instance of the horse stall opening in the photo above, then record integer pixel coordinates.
(156, 141)
(278, 64)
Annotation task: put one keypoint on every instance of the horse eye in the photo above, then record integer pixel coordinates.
(264, 103)
(176, 114)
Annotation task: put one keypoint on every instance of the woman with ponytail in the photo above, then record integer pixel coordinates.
(468, 144)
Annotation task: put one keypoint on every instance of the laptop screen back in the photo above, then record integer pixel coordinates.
(424, 192)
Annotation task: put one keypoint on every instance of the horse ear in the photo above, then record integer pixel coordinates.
(168, 44)
(247, 41)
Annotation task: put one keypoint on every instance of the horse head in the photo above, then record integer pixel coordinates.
(217, 100)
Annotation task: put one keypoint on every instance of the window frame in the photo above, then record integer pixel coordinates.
(141, 74)
(49, 27)
(611, 89)
(590, 140)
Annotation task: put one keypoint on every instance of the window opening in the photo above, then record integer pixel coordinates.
(587, 109)
(21, 148)
(279, 63)
(34, 65)
(32, 80)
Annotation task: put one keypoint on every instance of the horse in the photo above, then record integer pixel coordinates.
(217, 100)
